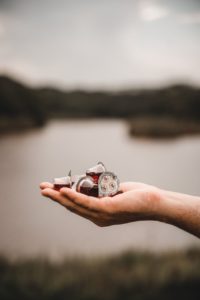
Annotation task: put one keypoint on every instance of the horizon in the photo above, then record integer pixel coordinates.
(63, 88)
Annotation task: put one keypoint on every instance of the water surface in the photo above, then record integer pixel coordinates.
(33, 225)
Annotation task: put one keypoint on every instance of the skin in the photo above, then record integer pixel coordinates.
(138, 201)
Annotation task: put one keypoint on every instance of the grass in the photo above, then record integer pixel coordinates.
(131, 275)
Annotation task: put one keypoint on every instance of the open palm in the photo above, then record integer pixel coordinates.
(135, 203)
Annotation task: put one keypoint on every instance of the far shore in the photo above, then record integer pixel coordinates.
(162, 128)
(139, 127)
(165, 112)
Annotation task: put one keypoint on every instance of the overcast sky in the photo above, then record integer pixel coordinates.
(101, 43)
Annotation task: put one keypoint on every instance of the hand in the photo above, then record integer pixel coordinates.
(137, 202)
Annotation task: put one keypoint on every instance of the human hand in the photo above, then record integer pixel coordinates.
(138, 201)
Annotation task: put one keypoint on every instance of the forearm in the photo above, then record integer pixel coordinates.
(180, 210)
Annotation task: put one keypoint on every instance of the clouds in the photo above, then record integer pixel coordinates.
(150, 10)
(100, 43)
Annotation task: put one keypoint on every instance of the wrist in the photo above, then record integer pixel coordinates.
(166, 208)
(180, 210)
(154, 210)
(161, 206)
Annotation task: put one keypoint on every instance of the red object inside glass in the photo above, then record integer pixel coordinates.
(95, 176)
(57, 186)
(94, 191)
(90, 191)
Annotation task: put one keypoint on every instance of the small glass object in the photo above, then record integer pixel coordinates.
(108, 184)
(87, 186)
(62, 182)
(97, 182)
(96, 171)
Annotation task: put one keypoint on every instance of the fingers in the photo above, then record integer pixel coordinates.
(70, 205)
(45, 185)
(54, 195)
(89, 203)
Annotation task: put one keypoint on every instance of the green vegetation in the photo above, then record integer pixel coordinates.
(131, 275)
(149, 112)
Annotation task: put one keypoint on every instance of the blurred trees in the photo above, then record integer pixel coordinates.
(20, 103)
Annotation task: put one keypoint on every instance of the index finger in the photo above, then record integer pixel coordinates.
(82, 200)
(44, 185)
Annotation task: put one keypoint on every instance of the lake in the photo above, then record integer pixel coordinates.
(32, 225)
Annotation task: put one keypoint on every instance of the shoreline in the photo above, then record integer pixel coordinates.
(138, 127)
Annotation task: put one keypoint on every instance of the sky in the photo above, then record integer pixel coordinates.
(100, 43)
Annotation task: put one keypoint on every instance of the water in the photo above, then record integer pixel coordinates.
(32, 225)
